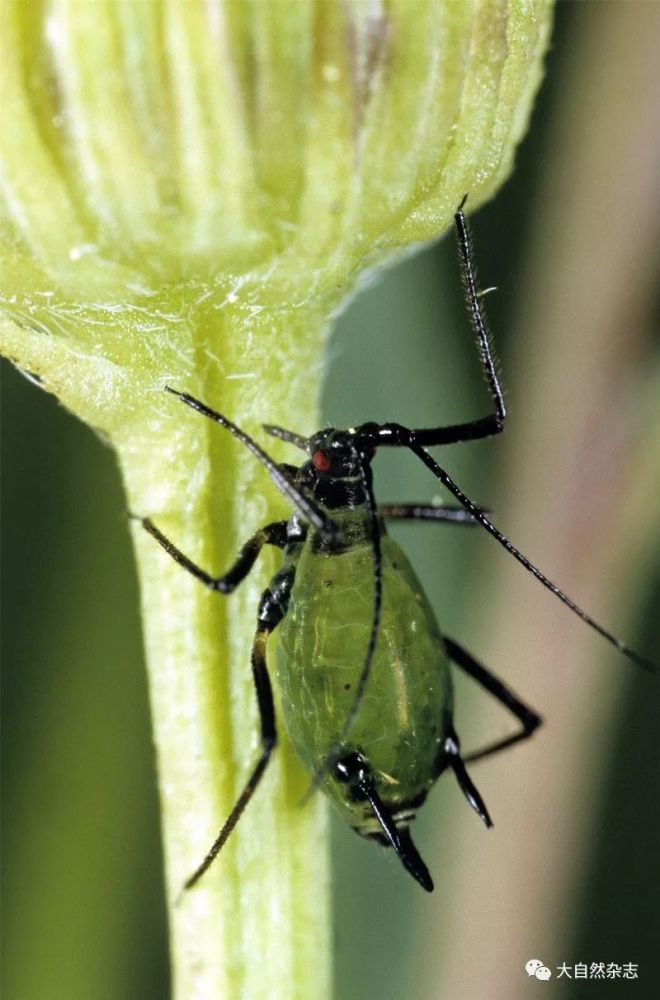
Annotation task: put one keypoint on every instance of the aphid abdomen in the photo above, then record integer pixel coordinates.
(405, 713)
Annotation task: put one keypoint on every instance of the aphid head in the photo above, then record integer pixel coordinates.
(339, 454)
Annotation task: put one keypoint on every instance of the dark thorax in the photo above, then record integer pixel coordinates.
(336, 477)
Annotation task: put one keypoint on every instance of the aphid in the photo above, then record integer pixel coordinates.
(362, 668)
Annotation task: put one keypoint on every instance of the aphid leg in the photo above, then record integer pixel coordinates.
(271, 534)
(406, 438)
(471, 430)
(272, 608)
(494, 422)
(528, 719)
(469, 789)
(285, 435)
(427, 512)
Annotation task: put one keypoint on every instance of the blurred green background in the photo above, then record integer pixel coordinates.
(572, 242)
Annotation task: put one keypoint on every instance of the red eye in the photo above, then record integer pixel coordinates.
(321, 461)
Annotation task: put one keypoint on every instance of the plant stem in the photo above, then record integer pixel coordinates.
(257, 924)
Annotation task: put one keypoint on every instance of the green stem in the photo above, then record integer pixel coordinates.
(257, 924)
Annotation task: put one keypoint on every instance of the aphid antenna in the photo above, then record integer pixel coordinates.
(465, 502)
(395, 434)
(285, 435)
(306, 505)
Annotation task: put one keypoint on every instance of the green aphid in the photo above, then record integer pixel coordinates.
(362, 668)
